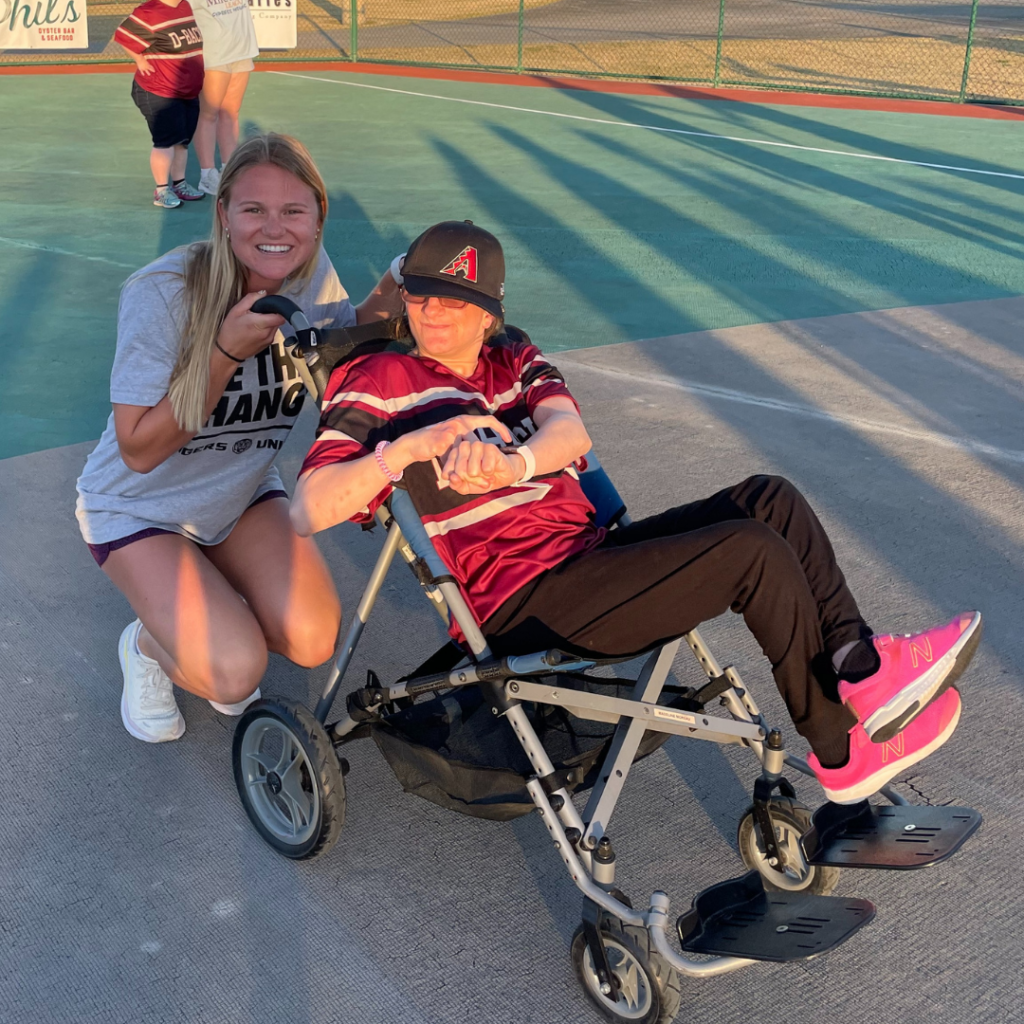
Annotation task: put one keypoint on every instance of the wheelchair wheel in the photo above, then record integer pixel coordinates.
(289, 779)
(791, 820)
(648, 986)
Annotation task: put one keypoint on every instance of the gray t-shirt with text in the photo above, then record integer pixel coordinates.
(205, 486)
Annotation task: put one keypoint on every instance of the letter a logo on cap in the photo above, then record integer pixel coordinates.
(464, 263)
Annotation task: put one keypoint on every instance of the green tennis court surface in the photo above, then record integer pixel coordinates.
(612, 233)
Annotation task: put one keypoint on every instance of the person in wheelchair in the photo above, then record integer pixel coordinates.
(488, 440)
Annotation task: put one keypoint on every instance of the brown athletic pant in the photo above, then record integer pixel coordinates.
(756, 548)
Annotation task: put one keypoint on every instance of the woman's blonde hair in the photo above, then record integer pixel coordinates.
(215, 278)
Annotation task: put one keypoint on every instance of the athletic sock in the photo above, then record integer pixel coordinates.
(835, 755)
(176, 181)
(860, 662)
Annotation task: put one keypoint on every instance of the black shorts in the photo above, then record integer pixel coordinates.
(101, 552)
(172, 122)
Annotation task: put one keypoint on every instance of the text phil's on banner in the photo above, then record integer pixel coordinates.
(43, 25)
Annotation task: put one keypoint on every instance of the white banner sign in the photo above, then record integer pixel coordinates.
(275, 23)
(44, 25)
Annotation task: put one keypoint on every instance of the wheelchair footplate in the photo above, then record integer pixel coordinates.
(897, 838)
(739, 918)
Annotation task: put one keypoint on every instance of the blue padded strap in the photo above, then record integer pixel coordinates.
(601, 493)
(415, 533)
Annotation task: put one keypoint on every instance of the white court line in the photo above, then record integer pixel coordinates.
(964, 444)
(38, 247)
(655, 128)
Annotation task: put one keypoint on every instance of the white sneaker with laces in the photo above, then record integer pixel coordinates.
(209, 180)
(148, 709)
(234, 710)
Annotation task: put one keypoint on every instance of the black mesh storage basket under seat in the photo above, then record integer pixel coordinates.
(452, 751)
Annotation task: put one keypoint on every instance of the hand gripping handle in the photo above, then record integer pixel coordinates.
(282, 306)
(306, 340)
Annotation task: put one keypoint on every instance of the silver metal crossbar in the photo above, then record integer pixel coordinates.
(596, 707)
(624, 745)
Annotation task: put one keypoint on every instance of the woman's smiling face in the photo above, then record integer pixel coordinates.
(273, 221)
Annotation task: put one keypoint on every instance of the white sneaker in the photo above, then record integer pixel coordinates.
(234, 710)
(209, 180)
(148, 709)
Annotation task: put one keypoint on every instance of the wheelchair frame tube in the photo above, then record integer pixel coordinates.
(625, 742)
(433, 592)
(655, 920)
(531, 744)
(743, 708)
(464, 617)
(366, 603)
(595, 707)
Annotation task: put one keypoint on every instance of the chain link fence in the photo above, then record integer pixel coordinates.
(932, 49)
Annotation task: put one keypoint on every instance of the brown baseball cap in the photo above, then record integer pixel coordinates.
(457, 259)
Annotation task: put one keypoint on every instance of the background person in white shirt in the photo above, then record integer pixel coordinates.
(229, 45)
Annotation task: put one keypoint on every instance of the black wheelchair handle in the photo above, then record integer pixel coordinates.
(282, 306)
(305, 343)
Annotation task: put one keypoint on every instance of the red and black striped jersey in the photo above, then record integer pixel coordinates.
(169, 38)
(493, 543)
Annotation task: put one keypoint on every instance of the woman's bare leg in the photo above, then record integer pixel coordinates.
(179, 161)
(227, 119)
(215, 86)
(160, 161)
(196, 626)
(285, 582)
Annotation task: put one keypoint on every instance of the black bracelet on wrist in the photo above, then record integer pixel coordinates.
(224, 351)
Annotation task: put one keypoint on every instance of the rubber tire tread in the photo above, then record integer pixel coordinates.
(825, 878)
(320, 752)
(659, 970)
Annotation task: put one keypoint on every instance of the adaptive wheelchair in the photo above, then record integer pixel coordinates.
(497, 738)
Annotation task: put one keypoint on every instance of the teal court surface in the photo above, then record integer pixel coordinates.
(832, 294)
(613, 232)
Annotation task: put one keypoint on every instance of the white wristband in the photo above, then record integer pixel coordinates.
(396, 269)
(531, 463)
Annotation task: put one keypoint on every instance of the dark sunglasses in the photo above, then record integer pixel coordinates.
(418, 300)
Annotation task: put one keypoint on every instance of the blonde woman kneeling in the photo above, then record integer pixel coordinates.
(180, 502)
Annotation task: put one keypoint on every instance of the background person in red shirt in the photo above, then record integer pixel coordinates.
(162, 38)
(516, 530)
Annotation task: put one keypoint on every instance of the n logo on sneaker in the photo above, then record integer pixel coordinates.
(464, 263)
(922, 647)
(893, 747)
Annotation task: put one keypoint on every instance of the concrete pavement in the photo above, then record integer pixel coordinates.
(132, 887)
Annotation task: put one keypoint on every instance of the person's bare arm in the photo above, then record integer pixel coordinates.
(475, 467)
(383, 302)
(332, 494)
(149, 435)
(141, 60)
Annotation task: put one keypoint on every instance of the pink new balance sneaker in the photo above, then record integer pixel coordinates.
(915, 670)
(872, 765)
